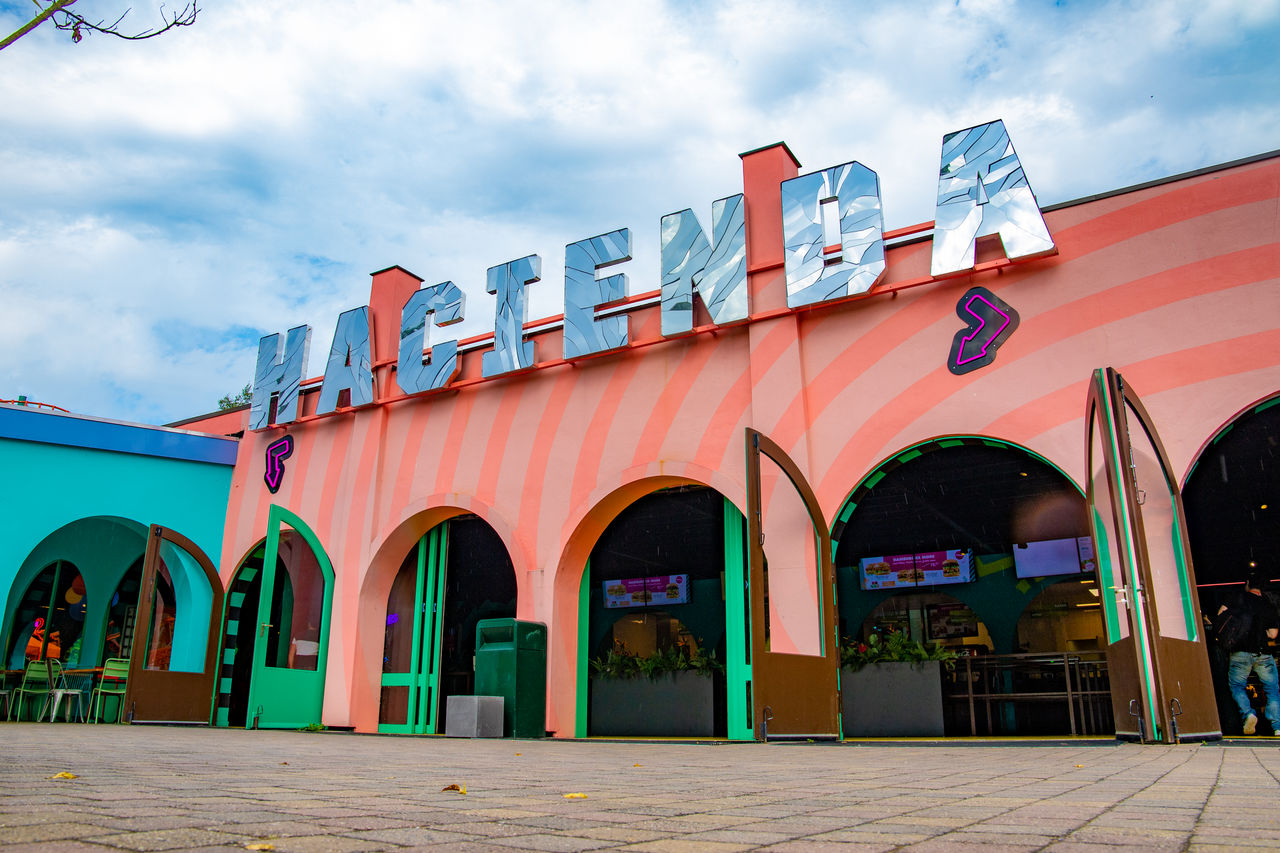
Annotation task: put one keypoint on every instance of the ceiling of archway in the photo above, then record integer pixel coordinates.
(974, 496)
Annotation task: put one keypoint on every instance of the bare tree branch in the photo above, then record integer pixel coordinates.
(45, 14)
(79, 26)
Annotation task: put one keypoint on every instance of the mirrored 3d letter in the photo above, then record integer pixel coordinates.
(715, 271)
(584, 333)
(278, 374)
(510, 350)
(982, 190)
(350, 366)
(417, 370)
(833, 234)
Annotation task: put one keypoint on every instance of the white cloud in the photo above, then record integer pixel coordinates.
(166, 201)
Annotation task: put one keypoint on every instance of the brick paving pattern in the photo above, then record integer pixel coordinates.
(144, 788)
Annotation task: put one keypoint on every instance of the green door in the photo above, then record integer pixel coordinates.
(290, 652)
(415, 617)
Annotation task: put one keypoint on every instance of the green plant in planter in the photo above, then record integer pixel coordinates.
(893, 647)
(620, 663)
(616, 663)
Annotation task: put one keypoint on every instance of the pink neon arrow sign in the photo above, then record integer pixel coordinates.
(990, 321)
(277, 452)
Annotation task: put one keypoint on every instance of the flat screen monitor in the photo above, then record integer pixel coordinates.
(656, 591)
(928, 568)
(1052, 557)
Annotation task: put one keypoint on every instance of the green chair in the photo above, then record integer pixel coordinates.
(38, 679)
(112, 682)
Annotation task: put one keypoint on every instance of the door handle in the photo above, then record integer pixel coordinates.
(263, 631)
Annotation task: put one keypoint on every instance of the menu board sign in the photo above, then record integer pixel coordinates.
(929, 568)
(656, 591)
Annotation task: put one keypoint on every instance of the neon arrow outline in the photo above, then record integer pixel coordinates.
(277, 452)
(982, 324)
(966, 309)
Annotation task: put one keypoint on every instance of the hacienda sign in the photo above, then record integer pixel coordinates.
(833, 233)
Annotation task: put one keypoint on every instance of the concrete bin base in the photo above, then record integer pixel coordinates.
(473, 716)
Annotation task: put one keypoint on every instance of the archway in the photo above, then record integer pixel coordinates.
(74, 580)
(968, 530)
(456, 574)
(654, 605)
(1232, 503)
(276, 630)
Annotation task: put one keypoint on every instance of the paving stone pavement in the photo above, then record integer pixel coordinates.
(154, 788)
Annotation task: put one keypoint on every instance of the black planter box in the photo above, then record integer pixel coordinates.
(892, 700)
(680, 704)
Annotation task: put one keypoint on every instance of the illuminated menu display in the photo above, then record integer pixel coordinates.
(929, 568)
(647, 592)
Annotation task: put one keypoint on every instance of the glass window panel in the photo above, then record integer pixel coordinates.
(1155, 501)
(792, 597)
(66, 618)
(1110, 560)
(187, 602)
(397, 644)
(164, 612)
(28, 634)
(297, 605)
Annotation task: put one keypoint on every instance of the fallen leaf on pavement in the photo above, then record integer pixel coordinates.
(259, 847)
(575, 796)
(64, 775)
(461, 789)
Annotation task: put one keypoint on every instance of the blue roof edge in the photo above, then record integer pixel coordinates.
(22, 424)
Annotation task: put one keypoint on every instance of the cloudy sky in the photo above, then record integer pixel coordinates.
(165, 203)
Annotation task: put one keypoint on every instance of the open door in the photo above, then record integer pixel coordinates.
(291, 648)
(1156, 654)
(174, 658)
(795, 653)
(411, 672)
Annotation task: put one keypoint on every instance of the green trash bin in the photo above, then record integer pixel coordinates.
(511, 662)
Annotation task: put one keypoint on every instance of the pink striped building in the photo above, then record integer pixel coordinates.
(1171, 285)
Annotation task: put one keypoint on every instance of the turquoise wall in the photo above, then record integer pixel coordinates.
(92, 508)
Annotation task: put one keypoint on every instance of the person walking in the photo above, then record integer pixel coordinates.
(1252, 654)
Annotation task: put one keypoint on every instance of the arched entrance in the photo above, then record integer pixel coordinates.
(1232, 501)
(454, 576)
(61, 595)
(106, 587)
(276, 630)
(657, 589)
(948, 543)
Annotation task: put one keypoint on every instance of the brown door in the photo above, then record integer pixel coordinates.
(1161, 687)
(173, 665)
(795, 654)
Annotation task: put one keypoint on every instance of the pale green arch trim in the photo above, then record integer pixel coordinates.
(913, 451)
